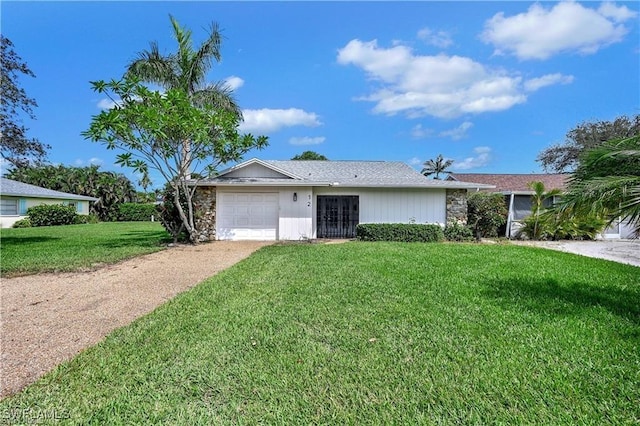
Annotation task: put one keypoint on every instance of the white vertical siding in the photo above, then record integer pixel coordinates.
(395, 205)
(295, 216)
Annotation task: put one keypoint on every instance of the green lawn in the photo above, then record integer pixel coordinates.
(371, 333)
(75, 247)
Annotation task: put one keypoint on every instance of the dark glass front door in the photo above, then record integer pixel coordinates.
(338, 216)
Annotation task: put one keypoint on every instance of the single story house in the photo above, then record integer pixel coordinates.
(16, 197)
(515, 188)
(297, 200)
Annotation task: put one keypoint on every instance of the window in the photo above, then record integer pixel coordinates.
(8, 207)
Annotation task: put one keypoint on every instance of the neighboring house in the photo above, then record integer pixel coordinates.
(294, 200)
(515, 188)
(16, 197)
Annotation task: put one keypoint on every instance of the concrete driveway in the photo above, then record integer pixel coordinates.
(622, 251)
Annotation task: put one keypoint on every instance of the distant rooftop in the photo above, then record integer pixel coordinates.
(14, 188)
(515, 182)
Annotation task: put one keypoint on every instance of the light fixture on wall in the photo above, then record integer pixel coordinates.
(295, 196)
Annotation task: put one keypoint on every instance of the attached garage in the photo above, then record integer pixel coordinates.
(247, 216)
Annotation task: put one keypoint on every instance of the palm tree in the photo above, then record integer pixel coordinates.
(540, 195)
(186, 70)
(607, 181)
(437, 166)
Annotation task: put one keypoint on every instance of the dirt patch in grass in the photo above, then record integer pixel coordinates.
(48, 318)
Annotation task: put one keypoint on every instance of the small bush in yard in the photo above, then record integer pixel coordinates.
(405, 232)
(22, 223)
(136, 212)
(458, 232)
(52, 215)
(487, 213)
(86, 218)
(552, 226)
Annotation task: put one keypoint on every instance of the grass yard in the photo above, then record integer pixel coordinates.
(75, 247)
(370, 333)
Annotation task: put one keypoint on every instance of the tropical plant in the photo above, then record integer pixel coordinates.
(437, 166)
(152, 127)
(310, 155)
(607, 182)
(538, 200)
(553, 225)
(486, 213)
(109, 188)
(15, 146)
(186, 69)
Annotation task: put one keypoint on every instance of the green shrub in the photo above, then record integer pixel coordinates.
(52, 214)
(407, 232)
(22, 223)
(86, 218)
(458, 232)
(552, 226)
(136, 212)
(168, 214)
(486, 212)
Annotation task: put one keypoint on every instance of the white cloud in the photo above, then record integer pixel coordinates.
(271, 120)
(233, 82)
(566, 27)
(105, 103)
(440, 39)
(547, 80)
(415, 161)
(306, 140)
(418, 132)
(481, 158)
(94, 161)
(441, 86)
(457, 133)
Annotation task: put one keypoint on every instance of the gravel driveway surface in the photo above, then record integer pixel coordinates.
(48, 318)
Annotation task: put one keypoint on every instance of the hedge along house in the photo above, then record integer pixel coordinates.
(297, 200)
(517, 193)
(16, 197)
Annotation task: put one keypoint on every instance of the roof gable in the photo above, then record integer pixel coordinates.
(256, 168)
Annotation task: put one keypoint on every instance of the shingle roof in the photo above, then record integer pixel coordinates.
(20, 189)
(515, 182)
(343, 173)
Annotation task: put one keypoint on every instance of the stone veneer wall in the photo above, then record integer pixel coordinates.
(457, 205)
(204, 202)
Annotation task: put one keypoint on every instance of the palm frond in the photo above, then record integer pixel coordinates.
(218, 95)
(152, 67)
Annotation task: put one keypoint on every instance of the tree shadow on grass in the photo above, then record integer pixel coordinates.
(548, 296)
(27, 240)
(138, 238)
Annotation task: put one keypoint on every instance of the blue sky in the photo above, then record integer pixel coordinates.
(487, 84)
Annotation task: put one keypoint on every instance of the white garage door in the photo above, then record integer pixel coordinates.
(247, 216)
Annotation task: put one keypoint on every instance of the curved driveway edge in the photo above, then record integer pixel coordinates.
(621, 251)
(47, 319)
